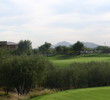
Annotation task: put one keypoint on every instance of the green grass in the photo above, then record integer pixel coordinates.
(66, 60)
(102, 93)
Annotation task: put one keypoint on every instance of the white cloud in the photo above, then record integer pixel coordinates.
(37, 21)
(97, 2)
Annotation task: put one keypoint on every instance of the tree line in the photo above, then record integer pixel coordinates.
(25, 48)
(75, 49)
(79, 75)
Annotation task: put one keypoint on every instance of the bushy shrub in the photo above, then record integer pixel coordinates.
(22, 73)
(79, 75)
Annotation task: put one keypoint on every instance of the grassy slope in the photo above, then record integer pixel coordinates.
(61, 60)
(102, 93)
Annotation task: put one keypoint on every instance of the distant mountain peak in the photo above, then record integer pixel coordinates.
(63, 43)
(90, 44)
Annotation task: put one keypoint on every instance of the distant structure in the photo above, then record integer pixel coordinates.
(8, 45)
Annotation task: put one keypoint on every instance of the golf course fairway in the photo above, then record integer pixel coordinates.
(99, 93)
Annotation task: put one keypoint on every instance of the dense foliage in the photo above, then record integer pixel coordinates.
(22, 73)
(24, 48)
(103, 49)
(62, 50)
(79, 75)
(45, 48)
(78, 47)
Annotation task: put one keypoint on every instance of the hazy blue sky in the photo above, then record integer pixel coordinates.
(55, 21)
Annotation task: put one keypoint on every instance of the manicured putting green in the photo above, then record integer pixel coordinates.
(102, 93)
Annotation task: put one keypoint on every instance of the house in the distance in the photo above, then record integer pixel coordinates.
(8, 45)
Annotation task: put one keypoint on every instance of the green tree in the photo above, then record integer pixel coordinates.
(59, 49)
(4, 53)
(103, 49)
(24, 47)
(45, 48)
(62, 49)
(35, 51)
(65, 49)
(24, 74)
(6, 76)
(77, 47)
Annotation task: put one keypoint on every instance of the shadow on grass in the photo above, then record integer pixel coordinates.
(95, 55)
(64, 57)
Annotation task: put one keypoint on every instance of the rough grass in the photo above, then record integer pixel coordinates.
(66, 60)
(41, 92)
(12, 96)
(34, 93)
(102, 93)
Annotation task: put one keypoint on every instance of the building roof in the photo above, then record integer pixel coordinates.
(8, 43)
(12, 43)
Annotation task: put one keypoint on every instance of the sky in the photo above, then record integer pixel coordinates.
(54, 21)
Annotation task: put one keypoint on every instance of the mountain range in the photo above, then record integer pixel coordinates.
(67, 44)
